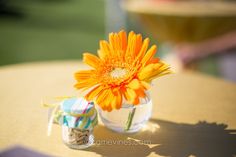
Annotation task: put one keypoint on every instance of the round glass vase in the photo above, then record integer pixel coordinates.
(129, 118)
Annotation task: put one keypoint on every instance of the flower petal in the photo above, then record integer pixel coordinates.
(94, 92)
(84, 74)
(114, 41)
(108, 100)
(116, 102)
(142, 51)
(145, 85)
(140, 92)
(152, 71)
(146, 72)
(131, 39)
(150, 53)
(134, 84)
(162, 73)
(130, 95)
(153, 61)
(91, 60)
(123, 38)
(116, 45)
(102, 97)
(136, 101)
(85, 83)
(138, 44)
(105, 50)
(143, 48)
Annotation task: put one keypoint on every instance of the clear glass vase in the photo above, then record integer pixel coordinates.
(129, 118)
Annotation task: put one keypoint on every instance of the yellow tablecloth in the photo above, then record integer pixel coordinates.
(180, 102)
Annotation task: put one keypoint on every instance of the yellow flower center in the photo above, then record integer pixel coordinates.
(118, 72)
(115, 71)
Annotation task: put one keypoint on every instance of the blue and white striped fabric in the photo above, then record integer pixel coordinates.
(78, 106)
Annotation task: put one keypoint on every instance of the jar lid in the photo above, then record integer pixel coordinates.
(78, 113)
(76, 105)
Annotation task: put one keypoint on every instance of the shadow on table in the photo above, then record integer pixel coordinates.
(168, 139)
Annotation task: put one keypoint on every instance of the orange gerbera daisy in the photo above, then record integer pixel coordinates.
(123, 70)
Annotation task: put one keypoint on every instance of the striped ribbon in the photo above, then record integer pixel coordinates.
(82, 117)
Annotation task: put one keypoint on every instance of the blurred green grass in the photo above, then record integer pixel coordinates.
(51, 30)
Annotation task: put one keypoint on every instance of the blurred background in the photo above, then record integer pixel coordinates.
(191, 34)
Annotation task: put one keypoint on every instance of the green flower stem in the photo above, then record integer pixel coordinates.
(130, 119)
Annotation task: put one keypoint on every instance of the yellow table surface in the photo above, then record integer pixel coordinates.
(180, 101)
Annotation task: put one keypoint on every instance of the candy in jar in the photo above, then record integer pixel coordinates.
(78, 119)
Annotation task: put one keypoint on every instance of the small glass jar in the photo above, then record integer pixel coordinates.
(77, 138)
(78, 119)
(118, 120)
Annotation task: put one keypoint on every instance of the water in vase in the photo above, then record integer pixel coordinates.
(116, 120)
